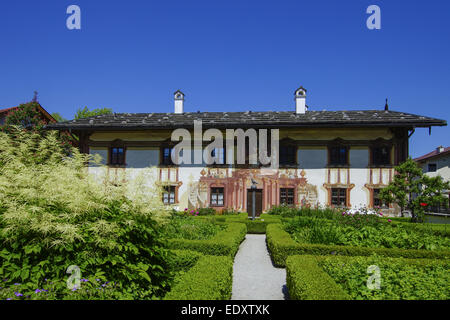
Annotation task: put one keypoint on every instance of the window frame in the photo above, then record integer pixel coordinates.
(373, 155)
(339, 196)
(169, 161)
(216, 195)
(117, 161)
(339, 163)
(284, 198)
(167, 189)
(432, 164)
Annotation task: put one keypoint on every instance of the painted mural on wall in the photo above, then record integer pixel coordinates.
(237, 182)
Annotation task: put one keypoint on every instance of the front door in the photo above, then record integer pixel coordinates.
(258, 202)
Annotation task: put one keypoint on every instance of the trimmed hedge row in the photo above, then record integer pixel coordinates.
(257, 226)
(306, 280)
(210, 279)
(224, 243)
(281, 246)
(182, 260)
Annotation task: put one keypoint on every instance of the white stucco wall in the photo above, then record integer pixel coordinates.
(442, 165)
(313, 160)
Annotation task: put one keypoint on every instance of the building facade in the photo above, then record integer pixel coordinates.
(326, 158)
(437, 163)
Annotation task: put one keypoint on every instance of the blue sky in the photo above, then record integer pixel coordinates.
(229, 56)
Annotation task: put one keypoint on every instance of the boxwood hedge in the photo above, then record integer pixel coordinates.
(281, 246)
(224, 243)
(306, 280)
(210, 279)
(257, 226)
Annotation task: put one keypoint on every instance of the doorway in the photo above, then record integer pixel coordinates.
(258, 202)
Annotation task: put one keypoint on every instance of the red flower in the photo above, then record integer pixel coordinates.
(423, 204)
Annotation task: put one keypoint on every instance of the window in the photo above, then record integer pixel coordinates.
(338, 155)
(432, 167)
(220, 152)
(169, 195)
(217, 197)
(381, 155)
(117, 156)
(288, 155)
(339, 197)
(166, 156)
(287, 196)
(377, 202)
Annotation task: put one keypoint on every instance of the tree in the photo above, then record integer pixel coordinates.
(26, 115)
(86, 113)
(29, 117)
(58, 117)
(412, 189)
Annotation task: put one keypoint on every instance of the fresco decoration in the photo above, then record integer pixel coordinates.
(236, 183)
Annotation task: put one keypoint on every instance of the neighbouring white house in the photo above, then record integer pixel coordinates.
(327, 158)
(434, 163)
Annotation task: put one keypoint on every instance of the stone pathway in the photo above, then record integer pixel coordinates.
(254, 276)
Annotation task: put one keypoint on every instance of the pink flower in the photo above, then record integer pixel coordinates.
(389, 220)
(185, 209)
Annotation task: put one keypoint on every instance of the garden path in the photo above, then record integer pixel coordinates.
(254, 275)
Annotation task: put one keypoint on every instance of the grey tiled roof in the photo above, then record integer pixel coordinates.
(135, 121)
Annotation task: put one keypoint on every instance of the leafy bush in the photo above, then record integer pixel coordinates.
(54, 214)
(229, 212)
(225, 242)
(363, 230)
(402, 279)
(206, 211)
(209, 279)
(307, 281)
(281, 245)
(190, 228)
(182, 260)
(291, 212)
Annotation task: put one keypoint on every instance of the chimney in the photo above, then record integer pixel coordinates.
(300, 101)
(440, 149)
(179, 101)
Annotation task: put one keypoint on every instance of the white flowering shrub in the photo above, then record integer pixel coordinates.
(53, 214)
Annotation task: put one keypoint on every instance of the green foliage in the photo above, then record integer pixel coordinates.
(307, 281)
(182, 260)
(27, 116)
(229, 212)
(58, 117)
(224, 243)
(409, 180)
(401, 279)
(291, 212)
(209, 279)
(186, 227)
(364, 231)
(281, 245)
(54, 214)
(86, 113)
(90, 289)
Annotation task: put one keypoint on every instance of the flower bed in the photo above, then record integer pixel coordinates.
(328, 277)
(364, 231)
(281, 245)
